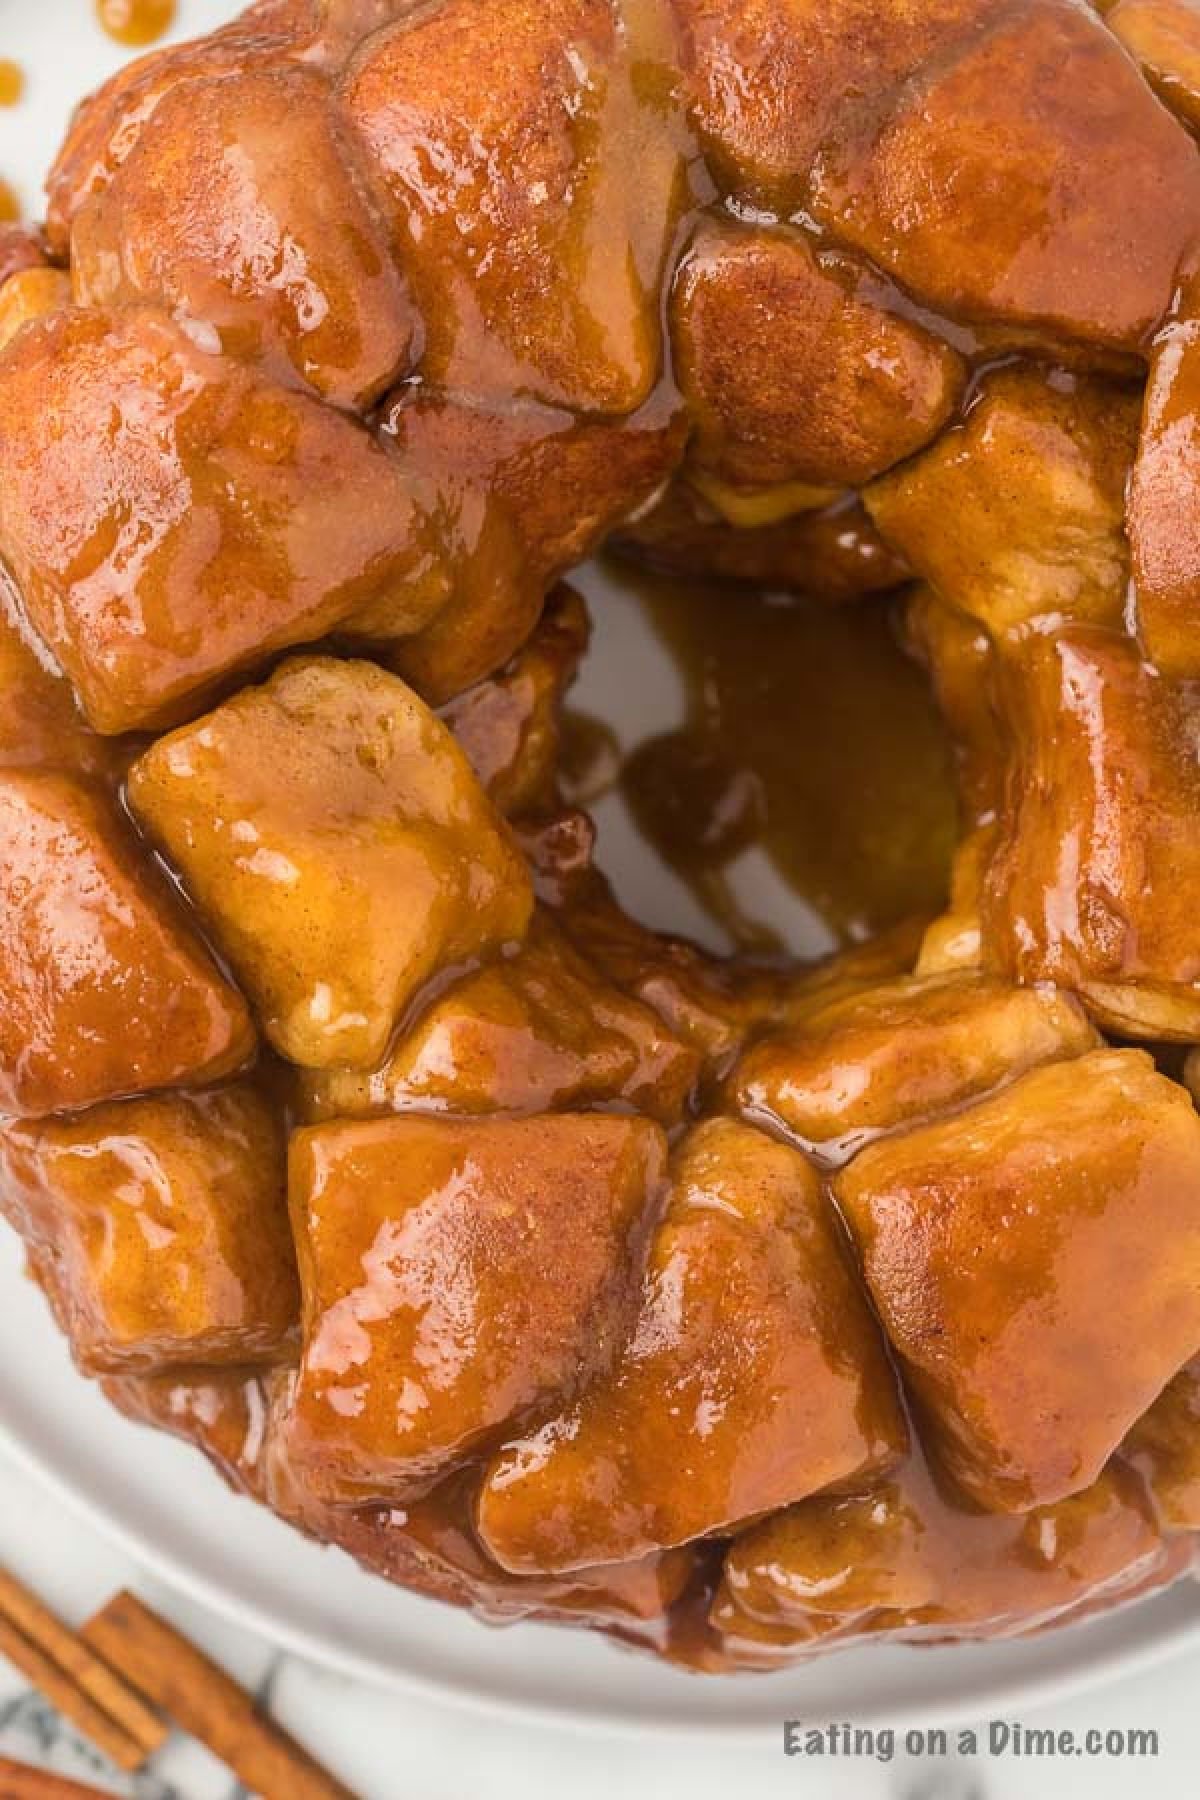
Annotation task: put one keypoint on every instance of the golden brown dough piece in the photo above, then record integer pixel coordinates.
(431, 1545)
(539, 1031)
(428, 1545)
(963, 666)
(1041, 118)
(1017, 515)
(792, 373)
(185, 518)
(21, 247)
(834, 554)
(959, 654)
(1164, 498)
(508, 195)
(159, 1228)
(29, 294)
(954, 941)
(975, 126)
(872, 1061)
(104, 988)
(707, 1004)
(455, 1274)
(1092, 884)
(1165, 1446)
(40, 725)
(1164, 36)
(106, 126)
(993, 1242)
(769, 77)
(754, 1376)
(511, 498)
(509, 724)
(242, 206)
(336, 835)
(906, 1560)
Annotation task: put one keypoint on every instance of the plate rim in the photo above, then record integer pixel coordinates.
(1104, 1665)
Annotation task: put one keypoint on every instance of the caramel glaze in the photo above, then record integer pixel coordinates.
(425, 344)
(12, 82)
(810, 737)
(136, 23)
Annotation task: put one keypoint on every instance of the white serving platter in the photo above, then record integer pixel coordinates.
(162, 1504)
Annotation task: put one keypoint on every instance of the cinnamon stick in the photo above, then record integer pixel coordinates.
(96, 1725)
(207, 1702)
(87, 1670)
(20, 1782)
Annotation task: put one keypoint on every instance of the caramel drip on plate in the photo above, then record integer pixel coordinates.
(12, 82)
(135, 22)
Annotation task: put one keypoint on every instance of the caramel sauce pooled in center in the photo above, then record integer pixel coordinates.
(809, 737)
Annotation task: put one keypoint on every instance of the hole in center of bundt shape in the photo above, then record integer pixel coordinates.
(768, 773)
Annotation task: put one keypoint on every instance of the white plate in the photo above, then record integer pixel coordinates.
(163, 1504)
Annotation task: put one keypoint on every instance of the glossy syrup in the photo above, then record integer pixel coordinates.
(12, 82)
(810, 743)
(136, 23)
(12, 89)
